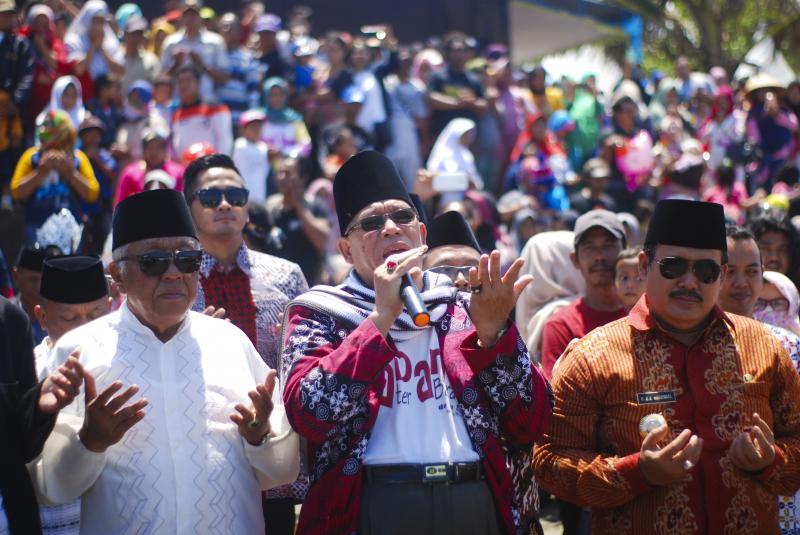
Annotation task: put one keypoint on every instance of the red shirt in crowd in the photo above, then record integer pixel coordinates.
(573, 321)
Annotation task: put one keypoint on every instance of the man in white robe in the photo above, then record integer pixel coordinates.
(192, 454)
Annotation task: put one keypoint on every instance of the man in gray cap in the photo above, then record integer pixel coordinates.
(195, 461)
(599, 238)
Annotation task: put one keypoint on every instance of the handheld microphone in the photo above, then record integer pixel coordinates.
(413, 302)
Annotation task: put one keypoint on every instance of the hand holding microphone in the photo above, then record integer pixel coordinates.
(395, 288)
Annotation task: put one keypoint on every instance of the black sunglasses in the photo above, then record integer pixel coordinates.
(706, 271)
(212, 197)
(452, 271)
(403, 216)
(156, 263)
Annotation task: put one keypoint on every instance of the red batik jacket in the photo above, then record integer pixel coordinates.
(334, 376)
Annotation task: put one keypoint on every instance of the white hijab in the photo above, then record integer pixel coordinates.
(556, 284)
(450, 156)
(77, 37)
(76, 113)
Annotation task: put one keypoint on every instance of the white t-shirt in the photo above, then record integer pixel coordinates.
(253, 162)
(418, 419)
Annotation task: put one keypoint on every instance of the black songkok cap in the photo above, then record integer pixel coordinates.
(32, 257)
(420, 208)
(161, 213)
(367, 177)
(450, 228)
(73, 279)
(699, 225)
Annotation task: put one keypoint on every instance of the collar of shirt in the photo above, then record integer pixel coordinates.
(641, 319)
(129, 320)
(208, 262)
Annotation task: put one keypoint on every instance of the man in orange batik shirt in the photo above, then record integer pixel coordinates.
(678, 418)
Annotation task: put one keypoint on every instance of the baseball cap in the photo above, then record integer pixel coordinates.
(135, 23)
(251, 115)
(267, 22)
(160, 176)
(192, 4)
(604, 219)
(91, 122)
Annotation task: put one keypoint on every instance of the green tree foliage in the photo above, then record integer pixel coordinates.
(714, 32)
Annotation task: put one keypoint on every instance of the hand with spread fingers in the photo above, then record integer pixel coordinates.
(670, 464)
(754, 449)
(60, 388)
(108, 417)
(253, 421)
(493, 296)
(387, 279)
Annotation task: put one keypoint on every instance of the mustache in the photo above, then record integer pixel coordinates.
(687, 293)
(601, 266)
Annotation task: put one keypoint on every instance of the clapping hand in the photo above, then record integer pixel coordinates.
(108, 419)
(62, 386)
(493, 296)
(670, 464)
(754, 449)
(253, 421)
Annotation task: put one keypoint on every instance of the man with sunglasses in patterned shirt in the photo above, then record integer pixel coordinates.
(407, 426)
(185, 431)
(679, 418)
(249, 288)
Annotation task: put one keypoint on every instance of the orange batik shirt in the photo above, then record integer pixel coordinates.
(623, 371)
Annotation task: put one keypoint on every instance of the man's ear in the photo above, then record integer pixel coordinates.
(116, 273)
(644, 264)
(41, 317)
(344, 249)
(573, 256)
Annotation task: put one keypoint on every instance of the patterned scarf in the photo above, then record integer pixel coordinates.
(353, 301)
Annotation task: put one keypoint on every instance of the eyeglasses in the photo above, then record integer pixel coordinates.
(706, 271)
(156, 263)
(403, 216)
(779, 304)
(452, 271)
(212, 197)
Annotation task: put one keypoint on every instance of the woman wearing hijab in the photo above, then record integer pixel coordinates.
(779, 302)
(160, 29)
(284, 130)
(451, 153)
(91, 43)
(49, 56)
(722, 129)
(54, 175)
(557, 283)
(65, 96)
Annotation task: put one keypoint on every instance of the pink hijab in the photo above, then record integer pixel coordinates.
(787, 320)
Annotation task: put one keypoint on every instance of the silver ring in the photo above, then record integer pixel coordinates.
(687, 465)
(253, 424)
(477, 289)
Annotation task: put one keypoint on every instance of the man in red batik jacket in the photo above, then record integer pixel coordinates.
(407, 426)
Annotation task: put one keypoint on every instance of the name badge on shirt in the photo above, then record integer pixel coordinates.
(652, 398)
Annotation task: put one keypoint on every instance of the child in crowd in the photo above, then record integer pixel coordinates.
(251, 155)
(629, 284)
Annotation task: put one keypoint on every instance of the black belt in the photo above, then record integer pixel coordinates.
(425, 473)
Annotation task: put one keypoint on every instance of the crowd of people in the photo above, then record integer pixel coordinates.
(227, 218)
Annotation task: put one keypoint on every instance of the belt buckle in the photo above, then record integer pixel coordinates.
(434, 473)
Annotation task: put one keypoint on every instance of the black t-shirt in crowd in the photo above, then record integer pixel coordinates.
(452, 84)
(288, 241)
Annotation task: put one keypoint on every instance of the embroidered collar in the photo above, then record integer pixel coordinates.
(208, 262)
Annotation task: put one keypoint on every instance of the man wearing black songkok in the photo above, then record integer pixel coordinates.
(679, 418)
(195, 460)
(406, 425)
(27, 275)
(452, 248)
